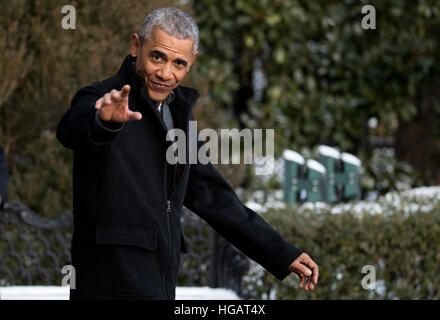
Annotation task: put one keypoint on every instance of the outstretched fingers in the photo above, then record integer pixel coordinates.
(113, 106)
(115, 96)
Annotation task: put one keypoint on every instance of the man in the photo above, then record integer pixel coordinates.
(127, 199)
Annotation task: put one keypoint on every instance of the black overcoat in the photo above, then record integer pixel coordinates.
(127, 235)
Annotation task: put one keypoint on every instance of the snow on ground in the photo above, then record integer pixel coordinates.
(62, 293)
(422, 199)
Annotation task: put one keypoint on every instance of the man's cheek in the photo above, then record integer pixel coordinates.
(180, 77)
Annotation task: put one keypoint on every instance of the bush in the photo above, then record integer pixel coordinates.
(398, 235)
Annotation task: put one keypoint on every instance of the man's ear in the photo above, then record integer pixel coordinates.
(135, 45)
(194, 56)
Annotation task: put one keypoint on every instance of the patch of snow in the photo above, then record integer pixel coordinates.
(293, 156)
(34, 293)
(315, 165)
(336, 210)
(258, 195)
(205, 293)
(426, 208)
(62, 293)
(278, 194)
(412, 201)
(329, 151)
(276, 205)
(425, 192)
(348, 157)
(380, 288)
(255, 207)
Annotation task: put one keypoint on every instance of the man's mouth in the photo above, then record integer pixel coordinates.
(159, 86)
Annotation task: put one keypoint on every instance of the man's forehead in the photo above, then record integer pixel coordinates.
(160, 39)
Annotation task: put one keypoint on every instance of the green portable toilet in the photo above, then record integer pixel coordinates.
(316, 177)
(343, 174)
(330, 157)
(351, 169)
(303, 180)
(293, 172)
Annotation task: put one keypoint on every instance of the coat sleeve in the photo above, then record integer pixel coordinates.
(213, 199)
(80, 127)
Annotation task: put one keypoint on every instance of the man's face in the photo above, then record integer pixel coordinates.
(162, 61)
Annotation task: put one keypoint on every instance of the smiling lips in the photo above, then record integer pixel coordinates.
(160, 86)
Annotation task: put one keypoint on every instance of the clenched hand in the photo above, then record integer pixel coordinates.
(307, 271)
(113, 106)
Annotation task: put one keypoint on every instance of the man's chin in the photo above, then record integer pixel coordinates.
(158, 96)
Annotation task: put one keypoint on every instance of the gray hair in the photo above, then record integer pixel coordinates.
(173, 21)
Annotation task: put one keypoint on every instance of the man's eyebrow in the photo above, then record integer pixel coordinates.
(164, 56)
(158, 53)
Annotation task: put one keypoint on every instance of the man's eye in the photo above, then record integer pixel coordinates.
(157, 58)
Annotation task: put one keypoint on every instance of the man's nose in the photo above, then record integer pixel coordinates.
(164, 73)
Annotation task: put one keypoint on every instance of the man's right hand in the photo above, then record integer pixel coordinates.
(113, 106)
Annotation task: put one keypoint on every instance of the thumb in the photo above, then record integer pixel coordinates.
(134, 116)
(302, 269)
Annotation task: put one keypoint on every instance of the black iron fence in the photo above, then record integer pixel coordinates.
(34, 249)
(211, 260)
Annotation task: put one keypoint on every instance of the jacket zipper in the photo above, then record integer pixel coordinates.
(170, 231)
(168, 210)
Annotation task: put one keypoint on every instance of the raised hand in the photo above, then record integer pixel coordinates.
(113, 106)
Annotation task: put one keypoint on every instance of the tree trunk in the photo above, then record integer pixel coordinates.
(417, 142)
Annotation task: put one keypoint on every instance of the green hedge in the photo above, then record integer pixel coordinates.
(399, 235)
